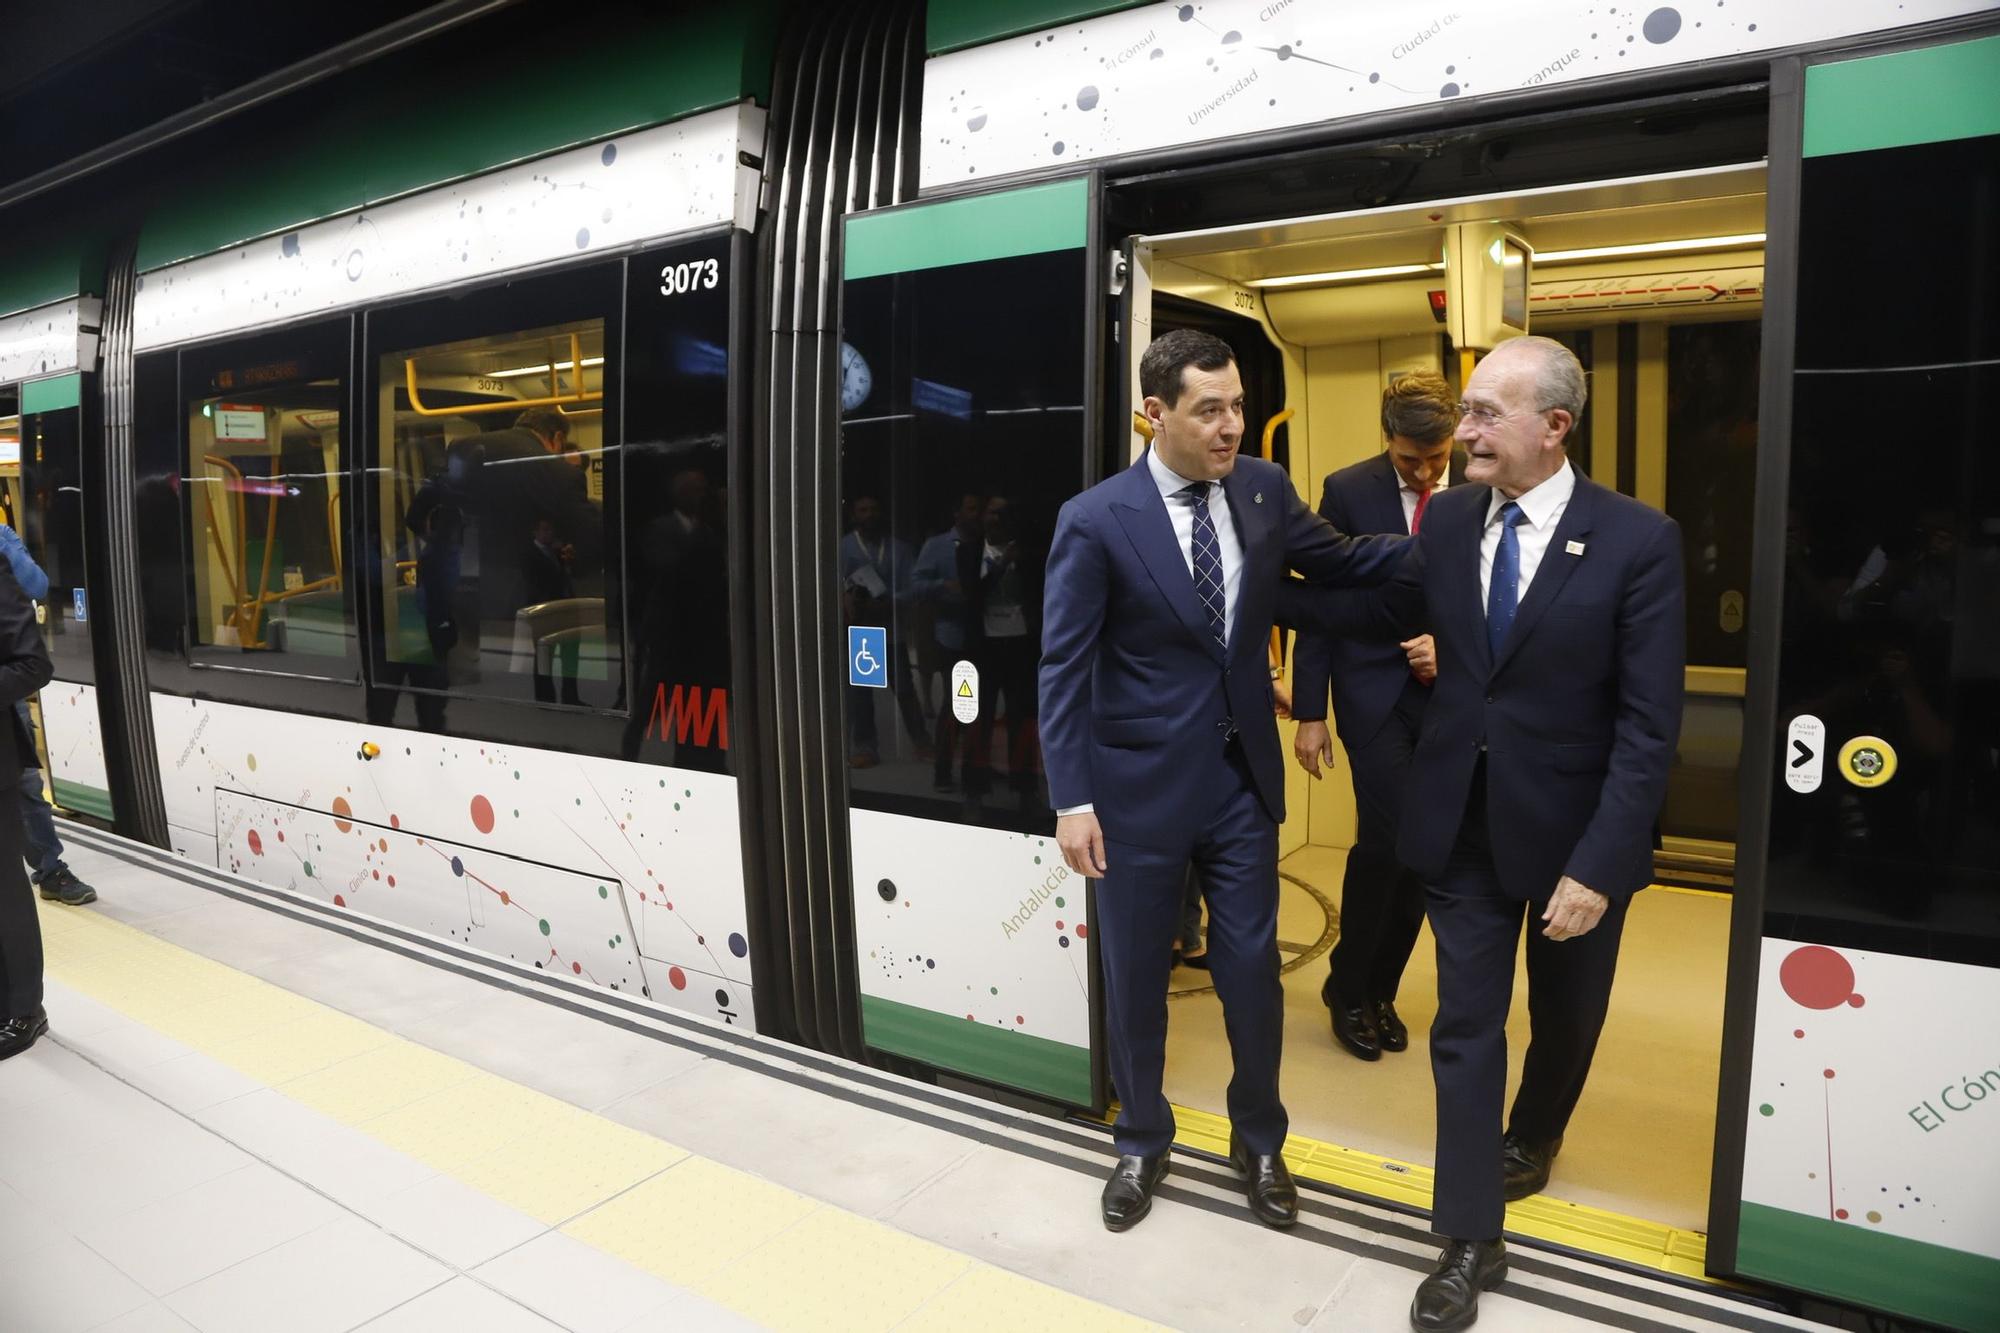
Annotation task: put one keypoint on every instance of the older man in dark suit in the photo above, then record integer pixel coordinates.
(1379, 691)
(1557, 607)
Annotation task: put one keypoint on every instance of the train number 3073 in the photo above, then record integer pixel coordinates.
(679, 279)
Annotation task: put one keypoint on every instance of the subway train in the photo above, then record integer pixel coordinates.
(605, 531)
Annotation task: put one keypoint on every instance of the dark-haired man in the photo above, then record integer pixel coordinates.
(1161, 748)
(1379, 689)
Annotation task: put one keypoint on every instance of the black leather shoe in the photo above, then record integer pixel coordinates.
(1267, 1181)
(1449, 1298)
(1355, 1030)
(1128, 1195)
(18, 1034)
(1527, 1165)
(1389, 1029)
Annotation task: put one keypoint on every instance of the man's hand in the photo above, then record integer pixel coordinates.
(1281, 699)
(1423, 655)
(1574, 909)
(1312, 744)
(1082, 843)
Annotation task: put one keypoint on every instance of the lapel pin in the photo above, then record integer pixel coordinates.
(1574, 548)
(1258, 498)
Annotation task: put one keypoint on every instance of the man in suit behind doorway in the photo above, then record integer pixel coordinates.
(1557, 607)
(1161, 748)
(1379, 690)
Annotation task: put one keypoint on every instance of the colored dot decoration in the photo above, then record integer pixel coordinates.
(740, 946)
(256, 844)
(1817, 977)
(1765, 1109)
(482, 814)
(544, 925)
(342, 814)
(677, 978)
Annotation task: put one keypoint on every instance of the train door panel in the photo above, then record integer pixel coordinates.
(968, 396)
(44, 490)
(1857, 1159)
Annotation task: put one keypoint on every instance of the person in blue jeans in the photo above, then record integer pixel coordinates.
(56, 881)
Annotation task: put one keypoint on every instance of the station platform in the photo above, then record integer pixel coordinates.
(255, 1112)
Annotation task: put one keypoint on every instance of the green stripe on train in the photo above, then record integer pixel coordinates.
(1851, 1261)
(52, 395)
(953, 24)
(1012, 1059)
(1031, 221)
(1928, 95)
(82, 798)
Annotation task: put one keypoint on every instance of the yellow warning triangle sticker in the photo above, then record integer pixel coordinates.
(965, 689)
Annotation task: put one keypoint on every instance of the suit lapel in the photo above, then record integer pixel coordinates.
(1142, 513)
(1388, 516)
(1558, 563)
(1248, 504)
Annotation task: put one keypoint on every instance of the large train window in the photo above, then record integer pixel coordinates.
(494, 489)
(262, 421)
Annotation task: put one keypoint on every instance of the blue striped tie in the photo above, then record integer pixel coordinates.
(1207, 552)
(1505, 590)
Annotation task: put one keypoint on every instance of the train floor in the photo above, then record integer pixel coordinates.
(1643, 1135)
(254, 1112)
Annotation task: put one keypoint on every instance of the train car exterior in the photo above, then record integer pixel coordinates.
(788, 264)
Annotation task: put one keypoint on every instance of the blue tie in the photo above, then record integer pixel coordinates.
(1504, 592)
(1207, 553)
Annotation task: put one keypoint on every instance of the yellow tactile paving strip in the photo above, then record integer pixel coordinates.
(1595, 1230)
(771, 1254)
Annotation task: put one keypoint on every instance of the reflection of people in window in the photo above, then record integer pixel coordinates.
(1008, 600)
(679, 584)
(875, 572)
(946, 566)
(545, 564)
(503, 484)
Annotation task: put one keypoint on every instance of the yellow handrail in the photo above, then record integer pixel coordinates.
(246, 613)
(513, 404)
(1271, 429)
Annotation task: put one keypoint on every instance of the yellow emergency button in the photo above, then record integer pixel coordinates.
(1867, 761)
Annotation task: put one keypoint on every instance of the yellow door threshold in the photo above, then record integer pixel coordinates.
(1576, 1226)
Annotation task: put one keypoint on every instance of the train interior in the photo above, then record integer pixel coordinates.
(1656, 284)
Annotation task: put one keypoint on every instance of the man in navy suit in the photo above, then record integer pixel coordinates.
(1379, 690)
(1557, 607)
(1161, 748)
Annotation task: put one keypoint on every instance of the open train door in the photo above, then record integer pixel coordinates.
(970, 381)
(1857, 1148)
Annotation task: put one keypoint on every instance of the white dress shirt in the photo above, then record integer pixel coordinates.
(1541, 509)
(1408, 495)
(1181, 513)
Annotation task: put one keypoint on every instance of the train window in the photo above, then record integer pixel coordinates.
(40, 461)
(263, 422)
(491, 474)
(677, 476)
(964, 429)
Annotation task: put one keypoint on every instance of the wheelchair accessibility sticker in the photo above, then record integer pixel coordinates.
(868, 656)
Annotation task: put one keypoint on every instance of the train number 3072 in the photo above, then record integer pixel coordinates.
(679, 279)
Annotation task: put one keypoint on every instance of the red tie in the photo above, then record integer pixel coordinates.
(1417, 517)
